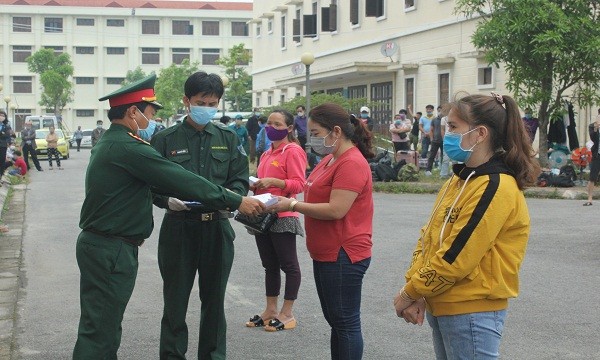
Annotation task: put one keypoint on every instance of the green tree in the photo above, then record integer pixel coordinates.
(169, 87)
(352, 105)
(134, 75)
(54, 70)
(549, 48)
(240, 82)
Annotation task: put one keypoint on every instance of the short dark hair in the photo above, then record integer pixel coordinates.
(402, 111)
(203, 83)
(225, 119)
(17, 152)
(429, 107)
(302, 107)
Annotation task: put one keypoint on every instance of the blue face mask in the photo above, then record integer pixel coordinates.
(453, 148)
(147, 133)
(202, 115)
(364, 115)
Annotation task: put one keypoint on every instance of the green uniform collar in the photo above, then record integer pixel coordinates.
(191, 131)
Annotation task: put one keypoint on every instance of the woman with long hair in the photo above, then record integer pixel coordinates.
(281, 172)
(466, 263)
(338, 216)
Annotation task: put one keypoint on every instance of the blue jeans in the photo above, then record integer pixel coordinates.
(339, 286)
(474, 336)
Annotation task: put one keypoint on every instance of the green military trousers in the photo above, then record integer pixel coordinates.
(108, 270)
(186, 247)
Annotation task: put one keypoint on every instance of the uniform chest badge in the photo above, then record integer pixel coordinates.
(179, 152)
(138, 138)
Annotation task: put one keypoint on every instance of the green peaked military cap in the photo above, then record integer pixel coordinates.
(141, 90)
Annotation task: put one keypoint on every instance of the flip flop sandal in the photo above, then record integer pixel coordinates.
(276, 325)
(255, 321)
(587, 203)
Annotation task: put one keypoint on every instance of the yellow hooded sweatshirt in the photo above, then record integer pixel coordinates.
(469, 254)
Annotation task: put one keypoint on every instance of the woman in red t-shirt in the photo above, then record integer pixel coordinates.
(338, 210)
(281, 172)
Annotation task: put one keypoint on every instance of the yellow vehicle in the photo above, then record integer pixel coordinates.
(42, 147)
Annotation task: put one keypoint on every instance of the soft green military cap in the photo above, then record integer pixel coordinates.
(141, 90)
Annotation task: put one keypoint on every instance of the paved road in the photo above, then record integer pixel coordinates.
(556, 316)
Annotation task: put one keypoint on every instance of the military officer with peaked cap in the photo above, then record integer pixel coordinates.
(116, 215)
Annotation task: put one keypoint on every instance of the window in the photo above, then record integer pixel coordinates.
(270, 25)
(20, 53)
(151, 56)
(150, 27)
(114, 80)
(239, 28)
(258, 28)
(375, 8)
(182, 27)
(257, 101)
(85, 22)
(86, 50)
(444, 88)
(84, 113)
(382, 95)
(281, 99)
(22, 84)
(409, 92)
(53, 25)
(269, 100)
(57, 49)
(210, 28)
(283, 31)
(357, 92)
(409, 4)
(210, 56)
(84, 80)
(115, 22)
(485, 76)
(297, 26)
(115, 51)
(334, 91)
(21, 24)
(354, 12)
(180, 54)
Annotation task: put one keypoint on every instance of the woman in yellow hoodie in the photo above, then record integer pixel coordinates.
(466, 263)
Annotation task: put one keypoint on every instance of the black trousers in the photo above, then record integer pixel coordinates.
(78, 141)
(29, 150)
(53, 153)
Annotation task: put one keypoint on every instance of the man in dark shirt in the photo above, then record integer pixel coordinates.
(28, 145)
(300, 123)
(253, 129)
(436, 134)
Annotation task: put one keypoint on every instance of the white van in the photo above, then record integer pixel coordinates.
(42, 121)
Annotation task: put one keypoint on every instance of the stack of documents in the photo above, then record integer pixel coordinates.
(267, 199)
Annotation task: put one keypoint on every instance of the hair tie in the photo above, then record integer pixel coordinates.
(498, 98)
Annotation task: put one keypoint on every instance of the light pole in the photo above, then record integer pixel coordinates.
(225, 80)
(7, 101)
(307, 59)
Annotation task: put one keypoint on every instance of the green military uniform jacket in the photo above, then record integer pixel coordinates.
(122, 169)
(213, 153)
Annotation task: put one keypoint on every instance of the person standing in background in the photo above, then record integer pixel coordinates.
(425, 128)
(78, 136)
(365, 116)
(262, 140)
(399, 129)
(414, 133)
(97, 132)
(436, 134)
(253, 128)
(28, 145)
(52, 140)
(531, 124)
(6, 134)
(300, 125)
(594, 129)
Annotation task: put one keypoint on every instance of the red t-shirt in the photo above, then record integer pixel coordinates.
(354, 231)
(20, 163)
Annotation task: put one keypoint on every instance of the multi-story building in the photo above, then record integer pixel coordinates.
(394, 53)
(107, 38)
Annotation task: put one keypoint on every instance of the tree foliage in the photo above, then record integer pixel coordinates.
(134, 75)
(549, 48)
(240, 82)
(54, 70)
(352, 105)
(169, 87)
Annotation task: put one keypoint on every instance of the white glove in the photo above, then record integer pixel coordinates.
(176, 204)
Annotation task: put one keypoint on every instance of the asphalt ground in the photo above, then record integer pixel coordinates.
(555, 316)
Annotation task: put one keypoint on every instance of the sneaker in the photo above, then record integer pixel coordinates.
(427, 173)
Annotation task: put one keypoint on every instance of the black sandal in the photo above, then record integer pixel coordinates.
(255, 321)
(277, 325)
(589, 203)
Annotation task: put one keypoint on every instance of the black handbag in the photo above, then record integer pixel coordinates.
(259, 223)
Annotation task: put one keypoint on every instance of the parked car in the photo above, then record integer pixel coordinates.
(86, 141)
(42, 147)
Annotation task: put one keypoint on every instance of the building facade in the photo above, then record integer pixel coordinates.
(395, 53)
(105, 39)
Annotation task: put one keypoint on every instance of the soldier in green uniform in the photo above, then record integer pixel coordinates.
(189, 244)
(116, 215)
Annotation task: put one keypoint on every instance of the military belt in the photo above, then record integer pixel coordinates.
(131, 241)
(209, 216)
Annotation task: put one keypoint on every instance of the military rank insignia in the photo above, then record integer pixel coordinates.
(138, 138)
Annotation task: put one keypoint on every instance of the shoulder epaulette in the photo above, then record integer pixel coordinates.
(138, 138)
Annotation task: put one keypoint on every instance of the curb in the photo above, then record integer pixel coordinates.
(10, 263)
